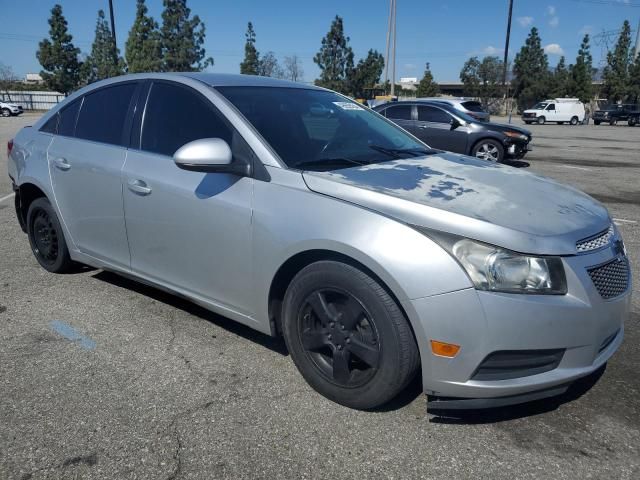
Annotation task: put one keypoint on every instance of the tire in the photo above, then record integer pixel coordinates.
(488, 149)
(361, 362)
(5, 112)
(574, 121)
(46, 237)
(541, 120)
(596, 122)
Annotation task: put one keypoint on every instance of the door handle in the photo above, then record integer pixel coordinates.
(62, 163)
(139, 187)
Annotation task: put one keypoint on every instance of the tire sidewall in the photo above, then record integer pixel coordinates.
(63, 260)
(541, 120)
(574, 120)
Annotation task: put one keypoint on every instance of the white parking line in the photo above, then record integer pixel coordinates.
(577, 168)
(622, 220)
(7, 197)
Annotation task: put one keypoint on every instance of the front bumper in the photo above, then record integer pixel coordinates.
(588, 328)
(516, 149)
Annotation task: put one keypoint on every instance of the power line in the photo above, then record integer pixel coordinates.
(612, 3)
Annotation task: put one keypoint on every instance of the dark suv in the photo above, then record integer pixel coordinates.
(443, 126)
(614, 113)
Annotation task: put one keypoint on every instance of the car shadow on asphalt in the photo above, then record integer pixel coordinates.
(274, 344)
(502, 414)
(517, 163)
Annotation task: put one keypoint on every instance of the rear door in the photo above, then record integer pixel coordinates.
(434, 128)
(85, 161)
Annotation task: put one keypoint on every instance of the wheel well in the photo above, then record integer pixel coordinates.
(292, 266)
(27, 193)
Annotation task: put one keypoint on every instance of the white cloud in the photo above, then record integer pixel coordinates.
(554, 22)
(524, 21)
(553, 49)
(491, 50)
(551, 10)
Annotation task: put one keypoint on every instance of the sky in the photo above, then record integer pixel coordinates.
(442, 32)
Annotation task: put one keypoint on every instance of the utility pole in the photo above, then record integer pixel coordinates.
(391, 39)
(506, 59)
(113, 34)
(386, 53)
(393, 70)
(636, 49)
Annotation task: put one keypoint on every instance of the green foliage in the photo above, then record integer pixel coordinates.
(559, 82)
(427, 86)
(143, 50)
(335, 59)
(616, 73)
(483, 79)
(531, 72)
(58, 56)
(104, 61)
(182, 39)
(366, 74)
(581, 73)
(251, 62)
(634, 81)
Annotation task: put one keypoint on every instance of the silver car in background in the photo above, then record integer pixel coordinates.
(471, 107)
(297, 212)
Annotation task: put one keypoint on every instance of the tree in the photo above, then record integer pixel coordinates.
(251, 62)
(427, 86)
(366, 74)
(531, 72)
(335, 59)
(581, 73)
(7, 79)
(559, 86)
(143, 50)
(293, 68)
(616, 73)
(104, 61)
(182, 39)
(634, 80)
(268, 66)
(482, 79)
(58, 56)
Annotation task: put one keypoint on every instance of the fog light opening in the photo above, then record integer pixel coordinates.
(442, 349)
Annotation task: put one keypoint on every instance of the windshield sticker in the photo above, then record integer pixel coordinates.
(348, 106)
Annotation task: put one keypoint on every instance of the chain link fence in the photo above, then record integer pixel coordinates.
(32, 100)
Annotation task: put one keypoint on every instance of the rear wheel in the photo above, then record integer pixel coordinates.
(347, 336)
(488, 149)
(574, 121)
(5, 112)
(46, 237)
(541, 120)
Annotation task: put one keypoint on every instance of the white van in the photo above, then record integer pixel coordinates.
(557, 110)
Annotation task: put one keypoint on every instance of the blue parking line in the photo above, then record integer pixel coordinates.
(70, 333)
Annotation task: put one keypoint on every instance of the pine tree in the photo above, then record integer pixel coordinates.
(251, 62)
(366, 74)
(58, 56)
(143, 49)
(101, 63)
(182, 39)
(560, 80)
(581, 74)
(335, 59)
(531, 72)
(616, 73)
(634, 81)
(483, 79)
(427, 86)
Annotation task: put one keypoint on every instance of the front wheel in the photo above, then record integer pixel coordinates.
(347, 336)
(489, 149)
(5, 112)
(541, 120)
(46, 238)
(574, 121)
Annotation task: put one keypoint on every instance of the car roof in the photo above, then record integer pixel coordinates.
(237, 80)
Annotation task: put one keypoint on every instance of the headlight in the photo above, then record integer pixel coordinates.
(498, 270)
(518, 135)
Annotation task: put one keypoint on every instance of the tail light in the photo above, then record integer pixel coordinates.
(9, 147)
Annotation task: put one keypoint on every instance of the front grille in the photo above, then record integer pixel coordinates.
(594, 242)
(611, 279)
(507, 364)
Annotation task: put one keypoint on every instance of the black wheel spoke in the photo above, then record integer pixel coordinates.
(321, 308)
(367, 353)
(313, 339)
(351, 314)
(341, 366)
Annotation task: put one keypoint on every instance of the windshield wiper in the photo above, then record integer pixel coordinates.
(398, 152)
(329, 163)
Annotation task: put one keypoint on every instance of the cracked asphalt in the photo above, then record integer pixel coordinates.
(141, 384)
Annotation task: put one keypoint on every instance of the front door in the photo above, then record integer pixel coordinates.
(434, 128)
(188, 230)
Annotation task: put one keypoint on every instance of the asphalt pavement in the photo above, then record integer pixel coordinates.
(101, 377)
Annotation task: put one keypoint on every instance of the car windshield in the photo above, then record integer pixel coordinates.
(540, 106)
(321, 130)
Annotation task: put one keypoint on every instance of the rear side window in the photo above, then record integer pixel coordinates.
(432, 114)
(473, 106)
(64, 121)
(177, 115)
(398, 112)
(103, 114)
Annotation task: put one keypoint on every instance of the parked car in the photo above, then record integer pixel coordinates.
(472, 108)
(558, 110)
(614, 113)
(10, 109)
(298, 212)
(443, 126)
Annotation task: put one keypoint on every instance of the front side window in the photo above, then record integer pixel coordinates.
(552, 107)
(433, 114)
(317, 129)
(103, 114)
(176, 115)
(540, 106)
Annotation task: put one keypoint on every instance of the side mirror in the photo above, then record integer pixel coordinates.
(211, 155)
(455, 123)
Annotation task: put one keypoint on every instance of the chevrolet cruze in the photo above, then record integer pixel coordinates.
(298, 212)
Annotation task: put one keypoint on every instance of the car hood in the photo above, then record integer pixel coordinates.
(494, 203)
(500, 127)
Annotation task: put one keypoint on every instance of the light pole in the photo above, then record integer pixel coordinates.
(113, 34)
(506, 59)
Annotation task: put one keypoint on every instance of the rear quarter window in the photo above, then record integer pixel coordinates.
(63, 122)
